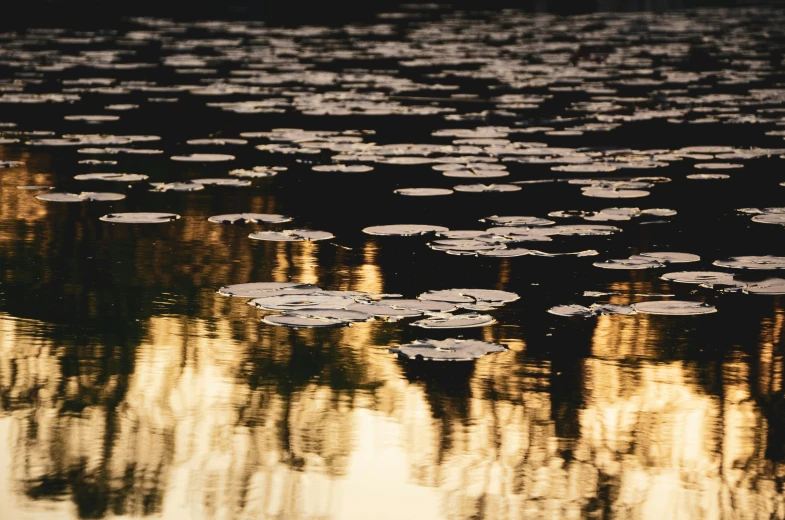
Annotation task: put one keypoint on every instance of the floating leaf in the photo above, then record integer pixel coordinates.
(447, 349)
(115, 177)
(284, 302)
(455, 321)
(707, 278)
(403, 230)
(770, 286)
(140, 218)
(86, 196)
(423, 192)
(292, 235)
(250, 218)
(672, 258)
(633, 262)
(486, 188)
(176, 186)
(203, 157)
(347, 168)
(518, 221)
(236, 183)
(752, 262)
(258, 289)
(674, 308)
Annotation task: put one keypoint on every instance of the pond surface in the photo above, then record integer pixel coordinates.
(601, 195)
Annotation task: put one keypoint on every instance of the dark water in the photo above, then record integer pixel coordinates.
(130, 388)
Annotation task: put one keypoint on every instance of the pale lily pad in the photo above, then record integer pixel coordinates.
(708, 176)
(523, 221)
(447, 350)
(285, 302)
(292, 235)
(257, 172)
(718, 166)
(465, 246)
(475, 174)
(633, 262)
(570, 311)
(707, 278)
(115, 177)
(674, 308)
(236, 183)
(427, 306)
(486, 188)
(140, 218)
(608, 193)
(770, 218)
(471, 296)
(176, 186)
(250, 218)
(668, 257)
(216, 142)
(455, 321)
(752, 262)
(86, 196)
(770, 286)
(346, 168)
(203, 157)
(403, 230)
(306, 322)
(506, 253)
(259, 289)
(383, 310)
(423, 192)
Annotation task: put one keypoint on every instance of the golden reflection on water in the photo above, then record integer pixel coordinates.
(215, 416)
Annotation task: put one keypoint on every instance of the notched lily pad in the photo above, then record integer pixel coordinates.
(455, 321)
(674, 308)
(259, 289)
(114, 177)
(85, 196)
(287, 302)
(140, 218)
(447, 349)
(292, 235)
(753, 262)
(250, 218)
(423, 192)
(403, 230)
(203, 157)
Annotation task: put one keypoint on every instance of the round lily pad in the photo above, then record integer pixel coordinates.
(259, 289)
(447, 350)
(486, 188)
(753, 262)
(140, 218)
(674, 308)
(633, 262)
(770, 286)
(237, 183)
(203, 157)
(284, 302)
(249, 218)
(86, 196)
(699, 277)
(455, 321)
(115, 177)
(403, 230)
(291, 235)
(423, 192)
(668, 257)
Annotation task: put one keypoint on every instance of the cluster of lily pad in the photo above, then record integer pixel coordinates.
(502, 240)
(308, 306)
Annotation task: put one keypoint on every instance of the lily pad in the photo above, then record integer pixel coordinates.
(236, 183)
(668, 257)
(633, 262)
(403, 230)
(770, 286)
(140, 218)
(86, 196)
(752, 262)
(674, 308)
(175, 186)
(523, 221)
(486, 188)
(292, 235)
(346, 168)
(285, 302)
(423, 192)
(203, 157)
(447, 349)
(707, 278)
(250, 218)
(114, 177)
(259, 289)
(455, 321)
